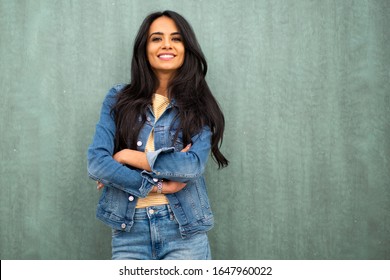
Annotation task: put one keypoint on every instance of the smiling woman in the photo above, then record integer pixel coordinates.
(152, 144)
(165, 48)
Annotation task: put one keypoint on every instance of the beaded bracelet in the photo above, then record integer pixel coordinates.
(159, 186)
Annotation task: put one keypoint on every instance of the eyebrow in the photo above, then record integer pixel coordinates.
(162, 33)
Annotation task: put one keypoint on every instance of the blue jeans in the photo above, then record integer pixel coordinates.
(155, 235)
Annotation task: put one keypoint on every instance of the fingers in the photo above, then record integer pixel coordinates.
(172, 186)
(99, 186)
(186, 148)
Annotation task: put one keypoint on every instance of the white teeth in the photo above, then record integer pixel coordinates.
(166, 56)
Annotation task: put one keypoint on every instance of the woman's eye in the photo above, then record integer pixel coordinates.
(156, 39)
(176, 39)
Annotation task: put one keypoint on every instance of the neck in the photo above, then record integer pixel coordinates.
(163, 79)
(162, 90)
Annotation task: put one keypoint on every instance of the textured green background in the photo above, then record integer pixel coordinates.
(305, 89)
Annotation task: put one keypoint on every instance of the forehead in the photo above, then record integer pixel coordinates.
(163, 24)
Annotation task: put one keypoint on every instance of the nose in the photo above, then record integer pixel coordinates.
(166, 44)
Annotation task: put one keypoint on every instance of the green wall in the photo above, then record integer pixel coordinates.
(305, 87)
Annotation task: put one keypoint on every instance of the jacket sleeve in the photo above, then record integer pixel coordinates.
(167, 164)
(101, 165)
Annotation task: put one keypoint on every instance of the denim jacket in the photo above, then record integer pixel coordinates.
(123, 185)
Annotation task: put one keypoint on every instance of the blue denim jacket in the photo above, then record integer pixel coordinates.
(123, 185)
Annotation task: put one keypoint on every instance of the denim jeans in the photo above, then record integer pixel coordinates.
(155, 235)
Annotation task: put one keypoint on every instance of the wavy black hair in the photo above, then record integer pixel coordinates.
(196, 104)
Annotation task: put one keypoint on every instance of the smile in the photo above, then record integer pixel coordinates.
(166, 56)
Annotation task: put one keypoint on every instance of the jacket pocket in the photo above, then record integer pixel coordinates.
(203, 196)
(114, 203)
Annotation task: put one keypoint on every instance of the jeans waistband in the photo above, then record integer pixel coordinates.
(158, 211)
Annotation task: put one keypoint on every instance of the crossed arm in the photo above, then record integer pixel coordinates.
(139, 160)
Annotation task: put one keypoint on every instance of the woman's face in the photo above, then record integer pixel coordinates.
(165, 48)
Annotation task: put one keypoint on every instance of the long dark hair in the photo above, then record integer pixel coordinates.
(197, 106)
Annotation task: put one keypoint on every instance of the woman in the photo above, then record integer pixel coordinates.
(151, 146)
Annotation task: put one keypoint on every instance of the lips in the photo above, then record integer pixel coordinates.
(166, 56)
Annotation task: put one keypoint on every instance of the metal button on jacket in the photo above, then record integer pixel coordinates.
(155, 180)
(123, 226)
(139, 143)
(151, 211)
(131, 198)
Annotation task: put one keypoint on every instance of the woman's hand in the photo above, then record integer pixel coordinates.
(171, 187)
(186, 148)
(99, 185)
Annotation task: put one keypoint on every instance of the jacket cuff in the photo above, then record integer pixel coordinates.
(145, 188)
(152, 156)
